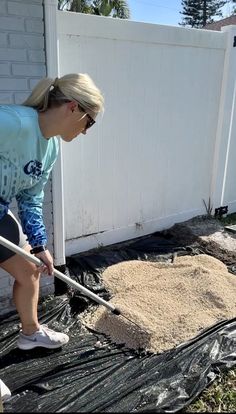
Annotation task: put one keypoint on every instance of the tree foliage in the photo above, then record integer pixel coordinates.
(197, 13)
(234, 10)
(113, 8)
(79, 6)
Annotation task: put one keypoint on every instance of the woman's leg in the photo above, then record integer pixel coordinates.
(25, 290)
(26, 294)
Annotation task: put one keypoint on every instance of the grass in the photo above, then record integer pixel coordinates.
(220, 397)
(229, 219)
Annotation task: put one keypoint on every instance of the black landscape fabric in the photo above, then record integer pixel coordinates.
(92, 374)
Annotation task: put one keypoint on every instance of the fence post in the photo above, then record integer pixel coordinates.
(225, 120)
(52, 63)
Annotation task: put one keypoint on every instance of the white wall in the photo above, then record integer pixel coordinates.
(149, 161)
(22, 64)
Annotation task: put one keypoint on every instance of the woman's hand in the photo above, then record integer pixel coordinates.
(47, 260)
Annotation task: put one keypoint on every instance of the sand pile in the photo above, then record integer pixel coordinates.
(172, 302)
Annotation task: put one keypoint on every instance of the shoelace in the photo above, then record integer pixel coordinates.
(48, 331)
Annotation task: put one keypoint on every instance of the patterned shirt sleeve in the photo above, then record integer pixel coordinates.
(3, 208)
(30, 210)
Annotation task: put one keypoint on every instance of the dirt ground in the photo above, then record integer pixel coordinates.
(208, 236)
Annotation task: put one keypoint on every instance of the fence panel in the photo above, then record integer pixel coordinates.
(148, 161)
(223, 176)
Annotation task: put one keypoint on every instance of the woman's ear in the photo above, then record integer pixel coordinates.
(72, 105)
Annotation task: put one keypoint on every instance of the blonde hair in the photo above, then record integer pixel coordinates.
(54, 92)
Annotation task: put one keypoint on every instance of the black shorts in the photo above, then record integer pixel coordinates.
(11, 229)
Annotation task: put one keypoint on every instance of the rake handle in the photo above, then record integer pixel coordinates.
(16, 249)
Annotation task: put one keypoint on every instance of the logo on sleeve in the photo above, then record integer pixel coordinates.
(34, 169)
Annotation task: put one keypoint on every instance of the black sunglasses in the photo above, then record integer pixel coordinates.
(90, 121)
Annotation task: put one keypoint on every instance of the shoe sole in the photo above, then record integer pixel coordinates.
(37, 345)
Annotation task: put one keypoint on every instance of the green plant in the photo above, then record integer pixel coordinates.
(219, 397)
(229, 219)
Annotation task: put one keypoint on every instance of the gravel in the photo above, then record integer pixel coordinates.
(171, 302)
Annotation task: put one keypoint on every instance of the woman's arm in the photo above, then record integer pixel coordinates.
(30, 211)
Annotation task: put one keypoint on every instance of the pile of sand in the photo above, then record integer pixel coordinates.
(171, 302)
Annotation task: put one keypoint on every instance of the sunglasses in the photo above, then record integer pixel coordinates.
(90, 121)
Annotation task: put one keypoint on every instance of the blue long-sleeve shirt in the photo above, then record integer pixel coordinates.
(26, 160)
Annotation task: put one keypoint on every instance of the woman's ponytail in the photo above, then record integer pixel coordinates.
(39, 97)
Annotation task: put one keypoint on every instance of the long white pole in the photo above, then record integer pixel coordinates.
(9, 245)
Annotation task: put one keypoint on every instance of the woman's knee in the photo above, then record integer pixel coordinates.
(23, 271)
(29, 277)
(26, 275)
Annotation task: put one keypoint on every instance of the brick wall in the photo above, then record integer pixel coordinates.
(22, 64)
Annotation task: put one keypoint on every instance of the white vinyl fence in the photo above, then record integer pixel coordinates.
(166, 140)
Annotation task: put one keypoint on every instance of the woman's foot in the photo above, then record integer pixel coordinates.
(44, 337)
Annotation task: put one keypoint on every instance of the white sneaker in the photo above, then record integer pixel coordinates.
(4, 391)
(44, 337)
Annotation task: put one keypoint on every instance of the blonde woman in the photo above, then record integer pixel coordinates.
(63, 107)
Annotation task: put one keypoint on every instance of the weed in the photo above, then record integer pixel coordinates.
(219, 397)
(208, 207)
(229, 219)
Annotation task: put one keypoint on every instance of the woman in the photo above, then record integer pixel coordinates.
(64, 107)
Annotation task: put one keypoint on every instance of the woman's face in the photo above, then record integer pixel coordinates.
(75, 122)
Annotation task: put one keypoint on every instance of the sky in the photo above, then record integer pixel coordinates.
(160, 11)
